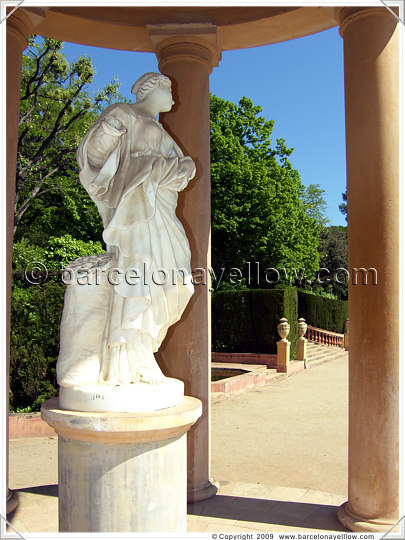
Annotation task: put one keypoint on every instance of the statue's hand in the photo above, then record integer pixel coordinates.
(187, 167)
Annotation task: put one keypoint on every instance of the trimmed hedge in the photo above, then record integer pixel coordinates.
(321, 312)
(246, 321)
(34, 343)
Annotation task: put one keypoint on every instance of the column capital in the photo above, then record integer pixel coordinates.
(23, 21)
(347, 15)
(196, 42)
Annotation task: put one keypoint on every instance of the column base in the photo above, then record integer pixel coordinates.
(360, 524)
(202, 492)
(12, 501)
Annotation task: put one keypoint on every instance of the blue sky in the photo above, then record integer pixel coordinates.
(298, 84)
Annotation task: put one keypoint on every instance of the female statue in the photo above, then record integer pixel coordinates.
(133, 171)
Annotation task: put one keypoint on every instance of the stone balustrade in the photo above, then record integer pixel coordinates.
(318, 335)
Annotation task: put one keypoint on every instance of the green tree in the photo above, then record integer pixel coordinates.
(56, 110)
(333, 256)
(55, 220)
(260, 209)
(314, 203)
(343, 205)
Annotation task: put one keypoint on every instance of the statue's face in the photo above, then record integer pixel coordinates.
(163, 97)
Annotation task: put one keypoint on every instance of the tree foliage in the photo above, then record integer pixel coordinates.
(34, 343)
(55, 220)
(333, 256)
(314, 204)
(343, 205)
(56, 109)
(260, 209)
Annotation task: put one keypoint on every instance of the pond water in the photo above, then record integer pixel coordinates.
(223, 373)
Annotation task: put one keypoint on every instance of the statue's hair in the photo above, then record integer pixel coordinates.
(148, 82)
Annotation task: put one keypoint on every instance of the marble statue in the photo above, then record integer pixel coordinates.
(114, 322)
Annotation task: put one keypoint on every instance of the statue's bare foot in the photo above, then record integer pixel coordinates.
(152, 376)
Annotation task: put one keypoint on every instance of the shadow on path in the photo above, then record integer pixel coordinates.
(293, 514)
(50, 490)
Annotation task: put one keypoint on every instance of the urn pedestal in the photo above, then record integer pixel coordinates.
(122, 472)
(301, 353)
(283, 346)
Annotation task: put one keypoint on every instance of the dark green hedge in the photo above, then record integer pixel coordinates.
(321, 312)
(246, 321)
(34, 343)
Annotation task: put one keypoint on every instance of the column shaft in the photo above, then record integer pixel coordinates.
(186, 351)
(372, 133)
(19, 27)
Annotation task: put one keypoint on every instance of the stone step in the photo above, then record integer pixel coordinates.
(272, 376)
(323, 354)
(318, 353)
(321, 347)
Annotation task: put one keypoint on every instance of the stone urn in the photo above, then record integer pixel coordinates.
(302, 328)
(283, 329)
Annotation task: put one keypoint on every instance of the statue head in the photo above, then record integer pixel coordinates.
(148, 82)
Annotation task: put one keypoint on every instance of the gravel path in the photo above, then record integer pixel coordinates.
(293, 433)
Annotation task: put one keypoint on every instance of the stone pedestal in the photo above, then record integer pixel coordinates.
(301, 349)
(283, 355)
(122, 472)
(301, 353)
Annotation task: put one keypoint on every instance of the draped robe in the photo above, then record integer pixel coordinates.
(130, 166)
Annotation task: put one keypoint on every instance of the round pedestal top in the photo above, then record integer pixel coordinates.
(113, 427)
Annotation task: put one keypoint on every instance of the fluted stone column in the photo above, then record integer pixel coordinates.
(372, 94)
(186, 351)
(19, 26)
